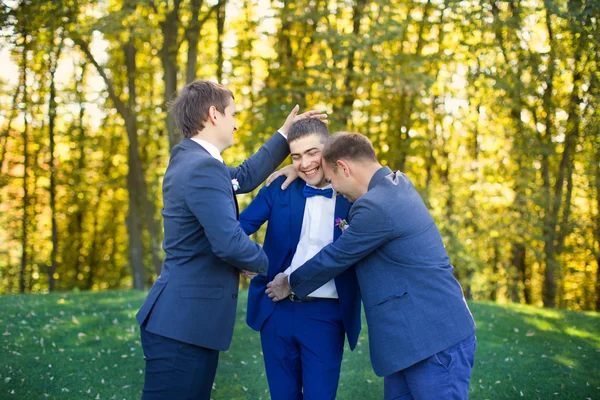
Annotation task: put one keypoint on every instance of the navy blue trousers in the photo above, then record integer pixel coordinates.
(303, 344)
(445, 375)
(177, 370)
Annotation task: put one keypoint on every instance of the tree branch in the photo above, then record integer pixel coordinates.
(119, 104)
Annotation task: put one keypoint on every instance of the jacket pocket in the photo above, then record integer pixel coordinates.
(387, 299)
(201, 292)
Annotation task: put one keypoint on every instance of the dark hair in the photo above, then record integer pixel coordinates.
(306, 127)
(190, 109)
(348, 146)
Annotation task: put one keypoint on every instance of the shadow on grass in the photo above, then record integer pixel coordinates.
(535, 353)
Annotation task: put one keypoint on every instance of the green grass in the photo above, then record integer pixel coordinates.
(86, 346)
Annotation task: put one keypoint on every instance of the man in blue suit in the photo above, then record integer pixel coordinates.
(421, 332)
(302, 338)
(189, 314)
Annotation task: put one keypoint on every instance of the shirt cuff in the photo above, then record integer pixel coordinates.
(282, 134)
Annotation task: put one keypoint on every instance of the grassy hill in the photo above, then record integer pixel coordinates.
(86, 346)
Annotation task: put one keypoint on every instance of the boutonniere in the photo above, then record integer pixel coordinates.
(342, 224)
(235, 184)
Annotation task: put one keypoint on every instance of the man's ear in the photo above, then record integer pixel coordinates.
(212, 114)
(344, 166)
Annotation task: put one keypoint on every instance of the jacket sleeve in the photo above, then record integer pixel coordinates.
(209, 195)
(252, 172)
(369, 229)
(259, 209)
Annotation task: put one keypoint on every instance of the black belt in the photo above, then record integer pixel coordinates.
(292, 297)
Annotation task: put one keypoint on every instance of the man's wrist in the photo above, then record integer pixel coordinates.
(282, 133)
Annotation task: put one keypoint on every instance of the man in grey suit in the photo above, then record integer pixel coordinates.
(421, 332)
(189, 314)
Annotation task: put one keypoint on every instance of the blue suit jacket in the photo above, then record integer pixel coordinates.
(284, 209)
(414, 306)
(194, 298)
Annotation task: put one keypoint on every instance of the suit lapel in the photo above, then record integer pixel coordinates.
(342, 206)
(297, 205)
(237, 206)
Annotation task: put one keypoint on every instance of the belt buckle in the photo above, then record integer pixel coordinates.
(297, 299)
(294, 298)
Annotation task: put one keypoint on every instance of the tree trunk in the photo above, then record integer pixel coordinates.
(4, 138)
(76, 228)
(407, 101)
(518, 258)
(192, 35)
(24, 221)
(135, 178)
(220, 31)
(135, 174)
(345, 111)
(597, 221)
(495, 271)
(551, 247)
(597, 282)
(168, 57)
(519, 205)
(547, 147)
(51, 123)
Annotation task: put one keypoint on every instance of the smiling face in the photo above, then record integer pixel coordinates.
(306, 159)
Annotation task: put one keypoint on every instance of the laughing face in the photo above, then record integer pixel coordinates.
(306, 158)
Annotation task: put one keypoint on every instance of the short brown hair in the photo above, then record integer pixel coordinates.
(348, 146)
(190, 109)
(306, 127)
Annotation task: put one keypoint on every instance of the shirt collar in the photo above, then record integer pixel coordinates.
(211, 148)
(320, 188)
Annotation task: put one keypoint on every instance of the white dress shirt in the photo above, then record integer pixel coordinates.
(317, 232)
(211, 148)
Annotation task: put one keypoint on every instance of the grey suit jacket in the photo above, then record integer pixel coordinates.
(194, 299)
(413, 304)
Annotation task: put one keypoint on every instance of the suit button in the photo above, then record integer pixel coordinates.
(234, 296)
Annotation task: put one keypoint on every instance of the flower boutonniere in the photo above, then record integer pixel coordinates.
(235, 184)
(342, 224)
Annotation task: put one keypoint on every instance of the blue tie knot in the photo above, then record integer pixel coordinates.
(310, 191)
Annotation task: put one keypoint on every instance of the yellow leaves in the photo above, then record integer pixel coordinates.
(60, 301)
(75, 320)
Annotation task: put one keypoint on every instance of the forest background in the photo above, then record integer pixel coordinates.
(490, 107)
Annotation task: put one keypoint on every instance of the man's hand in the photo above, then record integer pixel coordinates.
(288, 171)
(279, 288)
(293, 117)
(249, 274)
